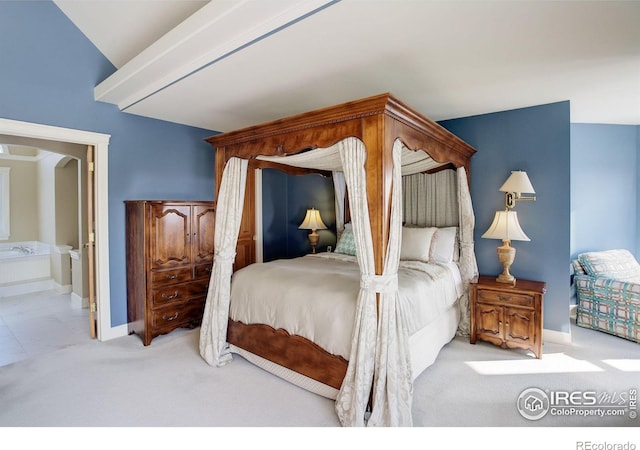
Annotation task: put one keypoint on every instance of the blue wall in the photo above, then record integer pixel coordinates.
(604, 187)
(49, 69)
(285, 200)
(536, 140)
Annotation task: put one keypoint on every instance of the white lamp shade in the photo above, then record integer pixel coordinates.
(518, 182)
(312, 221)
(506, 227)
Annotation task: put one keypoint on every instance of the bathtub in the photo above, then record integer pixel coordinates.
(24, 267)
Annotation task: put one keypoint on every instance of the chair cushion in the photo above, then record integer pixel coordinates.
(617, 264)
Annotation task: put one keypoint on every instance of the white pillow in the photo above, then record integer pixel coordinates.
(416, 243)
(444, 245)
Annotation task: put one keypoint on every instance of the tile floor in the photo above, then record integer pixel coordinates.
(34, 324)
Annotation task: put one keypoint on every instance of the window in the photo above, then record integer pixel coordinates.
(4, 203)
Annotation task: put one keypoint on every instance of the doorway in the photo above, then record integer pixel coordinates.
(53, 138)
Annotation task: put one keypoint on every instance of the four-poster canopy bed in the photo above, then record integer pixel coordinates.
(369, 144)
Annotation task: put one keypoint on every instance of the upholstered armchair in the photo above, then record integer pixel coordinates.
(607, 287)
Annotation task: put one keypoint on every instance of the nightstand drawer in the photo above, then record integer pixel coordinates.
(505, 298)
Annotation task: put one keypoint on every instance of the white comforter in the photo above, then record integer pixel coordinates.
(314, 296)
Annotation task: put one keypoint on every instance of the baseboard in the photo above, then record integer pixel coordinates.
(30, 287)
(556, 337)
(79, 302)
(63, 289)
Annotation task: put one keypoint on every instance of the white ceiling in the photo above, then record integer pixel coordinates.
(227, 64)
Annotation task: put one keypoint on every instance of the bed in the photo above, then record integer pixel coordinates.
(384, 344)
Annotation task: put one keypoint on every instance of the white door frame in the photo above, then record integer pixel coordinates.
(104, 331)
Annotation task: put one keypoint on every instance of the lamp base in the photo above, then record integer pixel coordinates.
(313, 240)
(506, 256)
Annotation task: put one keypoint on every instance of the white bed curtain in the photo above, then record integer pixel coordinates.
(230, 202)
(379, 344)
(340, 188)
(393, 383)
(468, 263)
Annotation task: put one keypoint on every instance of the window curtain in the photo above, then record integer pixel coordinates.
(230, 202)
(379, 344)
(431, 200)
(468, 264)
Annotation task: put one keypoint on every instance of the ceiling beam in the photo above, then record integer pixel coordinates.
(217, 30)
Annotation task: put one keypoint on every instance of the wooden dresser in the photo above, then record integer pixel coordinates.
(506, 315)
(169, 260)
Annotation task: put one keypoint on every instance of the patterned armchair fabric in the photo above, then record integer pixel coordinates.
(608, 292)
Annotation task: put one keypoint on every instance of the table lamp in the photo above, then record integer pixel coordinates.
(312, 221)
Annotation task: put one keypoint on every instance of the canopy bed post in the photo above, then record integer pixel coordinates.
(245, 248)
(378, 167)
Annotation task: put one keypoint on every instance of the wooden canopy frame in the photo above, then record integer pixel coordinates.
(377, 121)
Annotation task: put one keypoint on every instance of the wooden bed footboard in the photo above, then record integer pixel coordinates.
(293, 352)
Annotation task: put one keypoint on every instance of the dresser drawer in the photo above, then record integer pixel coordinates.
(505, 298)
(179, 314)
(178, 292)
(203, 271)
(170, 276)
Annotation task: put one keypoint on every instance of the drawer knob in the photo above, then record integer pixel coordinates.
(175, 316)
(170, 297)
(172, 277)
(503, 298)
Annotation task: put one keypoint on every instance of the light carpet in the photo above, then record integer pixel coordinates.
(121, 383)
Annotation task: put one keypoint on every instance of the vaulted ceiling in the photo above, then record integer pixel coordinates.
(226, 64)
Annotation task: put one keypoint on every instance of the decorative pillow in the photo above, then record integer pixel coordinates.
(347, 226)
(347, 244)
(617, 264)
(577, 267)
(416, 243)
(443, 247)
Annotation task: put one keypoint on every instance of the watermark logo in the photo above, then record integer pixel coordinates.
(534, 403)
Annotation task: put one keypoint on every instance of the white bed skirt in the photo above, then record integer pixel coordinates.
(424, 346)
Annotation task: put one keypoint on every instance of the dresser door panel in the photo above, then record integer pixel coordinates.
(204, 221)
(170, 235)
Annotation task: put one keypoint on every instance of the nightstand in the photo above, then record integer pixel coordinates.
(507, 315)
